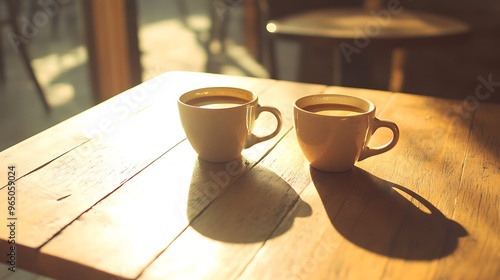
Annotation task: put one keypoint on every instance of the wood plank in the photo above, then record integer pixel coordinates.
(153, 204)
(107, 228)
(112, 158)
(364, 218)
(478, 203)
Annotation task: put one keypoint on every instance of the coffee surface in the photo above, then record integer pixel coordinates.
(334, 109)
(217, 102)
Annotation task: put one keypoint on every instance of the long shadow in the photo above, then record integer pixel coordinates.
(377, 215)
(232, 203)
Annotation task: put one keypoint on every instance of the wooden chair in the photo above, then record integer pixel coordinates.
(345, 28)
(12, 21)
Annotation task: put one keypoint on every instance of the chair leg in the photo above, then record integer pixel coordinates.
(219, 20)
(337, 66)
(183, 10)
(2, 61)
(397, 70)
(273, 60)
(268, 55)
(24, 54)
(211, 47)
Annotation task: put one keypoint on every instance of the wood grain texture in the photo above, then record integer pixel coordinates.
(425, 169)
(477, 205)
(112, 208)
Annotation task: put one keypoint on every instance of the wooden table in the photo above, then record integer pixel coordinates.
(117, 192)
(386, 25)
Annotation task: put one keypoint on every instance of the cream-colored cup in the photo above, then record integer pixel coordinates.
(218, 121)
(334, 130)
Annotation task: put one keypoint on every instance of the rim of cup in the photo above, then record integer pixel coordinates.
(209, 91)
(328, 98)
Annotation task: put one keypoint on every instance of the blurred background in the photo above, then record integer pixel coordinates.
(175, 35)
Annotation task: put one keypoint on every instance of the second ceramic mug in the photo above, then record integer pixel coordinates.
(334, 130)
(218, 121)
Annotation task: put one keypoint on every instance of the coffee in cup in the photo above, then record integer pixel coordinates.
(219, 121)
(333, 131)
(334, 109)
(217, 102)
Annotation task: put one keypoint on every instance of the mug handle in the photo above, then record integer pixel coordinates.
(254, 139)
(368, 152)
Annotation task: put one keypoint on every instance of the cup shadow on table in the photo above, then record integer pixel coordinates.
(378, 216)
(232, 203)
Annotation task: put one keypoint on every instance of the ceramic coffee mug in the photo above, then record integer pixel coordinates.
(334, 130)
(218, 121)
